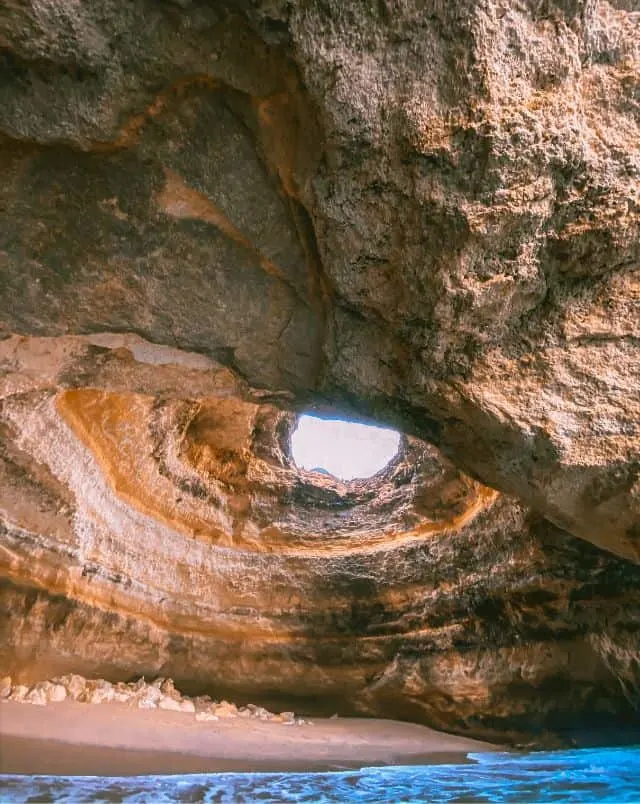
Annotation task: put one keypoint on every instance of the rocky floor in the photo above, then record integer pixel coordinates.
(159, 694)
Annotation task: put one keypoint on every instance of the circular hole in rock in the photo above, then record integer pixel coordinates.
(344, 449)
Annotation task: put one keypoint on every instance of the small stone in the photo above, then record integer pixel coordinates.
(36, 696)
(206, 716)
(167, 688)
(168, 703)
(18, 692)
(146, 703)
(5, 687)
(98, 691)
(56, 693)
(122, 693)
(202, 703)
(74, 684)
(149, 693)
(224, 709)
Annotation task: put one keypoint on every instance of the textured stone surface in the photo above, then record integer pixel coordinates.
(148, 533)
(215, 213)
(160, 694)
(427, 211)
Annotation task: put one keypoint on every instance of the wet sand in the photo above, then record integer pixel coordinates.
(71, 738)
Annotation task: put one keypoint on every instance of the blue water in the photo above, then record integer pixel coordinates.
(584, 775)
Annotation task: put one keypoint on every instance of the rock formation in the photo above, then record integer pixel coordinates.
(160, 694)
(215, 214)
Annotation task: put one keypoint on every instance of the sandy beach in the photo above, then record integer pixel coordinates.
(113, 739)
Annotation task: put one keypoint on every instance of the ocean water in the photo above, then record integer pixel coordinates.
(583, 775)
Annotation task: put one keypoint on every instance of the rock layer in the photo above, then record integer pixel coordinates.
(429, 213)
(214, 214)
(148, 533)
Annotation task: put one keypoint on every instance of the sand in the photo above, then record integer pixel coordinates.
(116, 740)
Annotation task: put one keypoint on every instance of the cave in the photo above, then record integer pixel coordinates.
(221, 218)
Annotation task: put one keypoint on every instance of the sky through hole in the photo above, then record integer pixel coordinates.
(345, 449)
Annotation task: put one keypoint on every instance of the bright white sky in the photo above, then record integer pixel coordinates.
(346, 449)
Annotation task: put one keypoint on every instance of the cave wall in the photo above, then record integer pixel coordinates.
(145, 533)
(215, 213)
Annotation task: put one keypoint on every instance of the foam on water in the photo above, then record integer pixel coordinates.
(584, 775)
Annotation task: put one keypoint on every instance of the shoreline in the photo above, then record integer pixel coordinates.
(78, 739)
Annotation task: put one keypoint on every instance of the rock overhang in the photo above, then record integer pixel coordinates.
(430, 219)
(145, 532)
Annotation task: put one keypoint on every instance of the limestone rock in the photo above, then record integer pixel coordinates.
(170, 704)
(440, 204)
(225, 710)
(122, 693)
(145, 703)
(168, 689)
(206, 716)
(19, 692)
(73, 683)
(5, 687)
(161, 694)
(203, 703)
(148, 696)
(52, 692)
(98, 691)
(427, 215)
(259, 712)
(36, 696)
(57, 693)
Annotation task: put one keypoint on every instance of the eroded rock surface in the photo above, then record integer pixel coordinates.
(215, 213)
(430, 212)
(148, 533)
